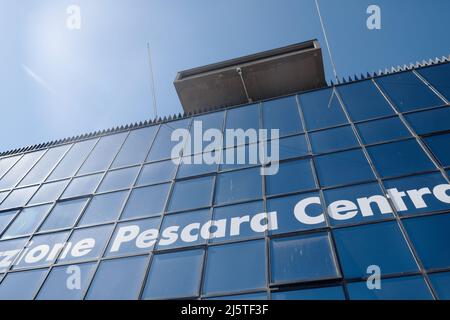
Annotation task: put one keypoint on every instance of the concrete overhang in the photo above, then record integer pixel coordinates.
(252, 78)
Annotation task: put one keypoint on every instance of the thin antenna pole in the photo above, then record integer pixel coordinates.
(152, 81)
(326, 42)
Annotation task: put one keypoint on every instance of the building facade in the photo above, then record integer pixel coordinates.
(362, 189)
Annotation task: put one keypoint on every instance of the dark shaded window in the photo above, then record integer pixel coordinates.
(21, 285)
(26, 222)
(191, 194)
(441, 284)
(408, 92)
(247, 296)
(282, 114)
(380, 244)
(437, 76)
(430, 121)
(382, 130)
(291, 147)
(439, 145)
(326, 293)
(242, 118)
(103, 208)
(333, 139)
(64, 215)
(364, 101)
(82, 186)
(146, 202)
(156, 172)
(238, 185)
(118, 179)
(292, 176)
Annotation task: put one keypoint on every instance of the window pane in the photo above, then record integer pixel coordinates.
(181, 220)
(430, 237)
(82, 186)
(191, 194)
(189, 168)
(118, 279)
(118, 179)
(240, 157)
(146, 202)
(243, 118)
(103, 153)
(322, 109)
(244, 229)
(127, 237)
(157, 172)
(18, 198)
(430, 121)
(21, 285)
(15, 248)
(343, 168)
(26, 222)
(227, 267)
(135, 148)
(3, 195)
(406, 288)
(333, 139)
(64, 215)
(42, 169)
(213, 120)
(6, 218)
(439, 146)
(282, 114)
(302, 258)
(400, 158)
(291, 147)
(49, 192)
(103, 208)
(438, 78)
(414, 202)
(364, 101)
(362, 246)
(441, 284)
(174, 275)
(360, 203)
(162, 146)
(408, 92)
(247, 296)
(55, 286)
(17, 172)
(98, 237)
(327, 293)
(285, 206)
(382, 130)
(72, 160)
(7, 163)
(238, 185)
(292, 176)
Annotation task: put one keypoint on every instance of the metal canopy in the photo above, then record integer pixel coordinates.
(256, 77)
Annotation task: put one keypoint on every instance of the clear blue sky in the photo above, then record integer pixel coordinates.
(56, 83)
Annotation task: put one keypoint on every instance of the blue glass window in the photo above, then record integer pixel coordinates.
(395, 159)
(162, 145)
(326, 293)
(238, 185)
(282, 114)
(118, 279)
(239, 210)
(7, 163)
(227, 267)
(240, 157)
(16, 173)
(285, 206)
(191, 194)
(73, 159)
(127, 240)
(343, 168)
(380, 244)
(441, 284)
(136, 147)
(18, 198)
(174, 275)
(292, 176)
(21, 285)
(146, 202)
(103, 153)
(291, 147)
(45, 164)
(430, 121)
(118, 179)
(364, 101)
(333, 139)
(82, 186)
(406, 288)
(302, 258)
(413, 202)
(438, 78)
(63, 215)
(26, 222)
(322, 109)
(157, 172)
(5, 219)
(55, 286)
(49, 192)
(408, 92)
(246, 296)
(14, 247)
(382, 130)
(439, 146)
(204, 122)
(103, 208)
(243, 118)
(189, 168)
(430, 237)
(182, 220)
(358, 203)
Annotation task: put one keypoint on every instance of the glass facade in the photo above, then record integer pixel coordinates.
(363, 180)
